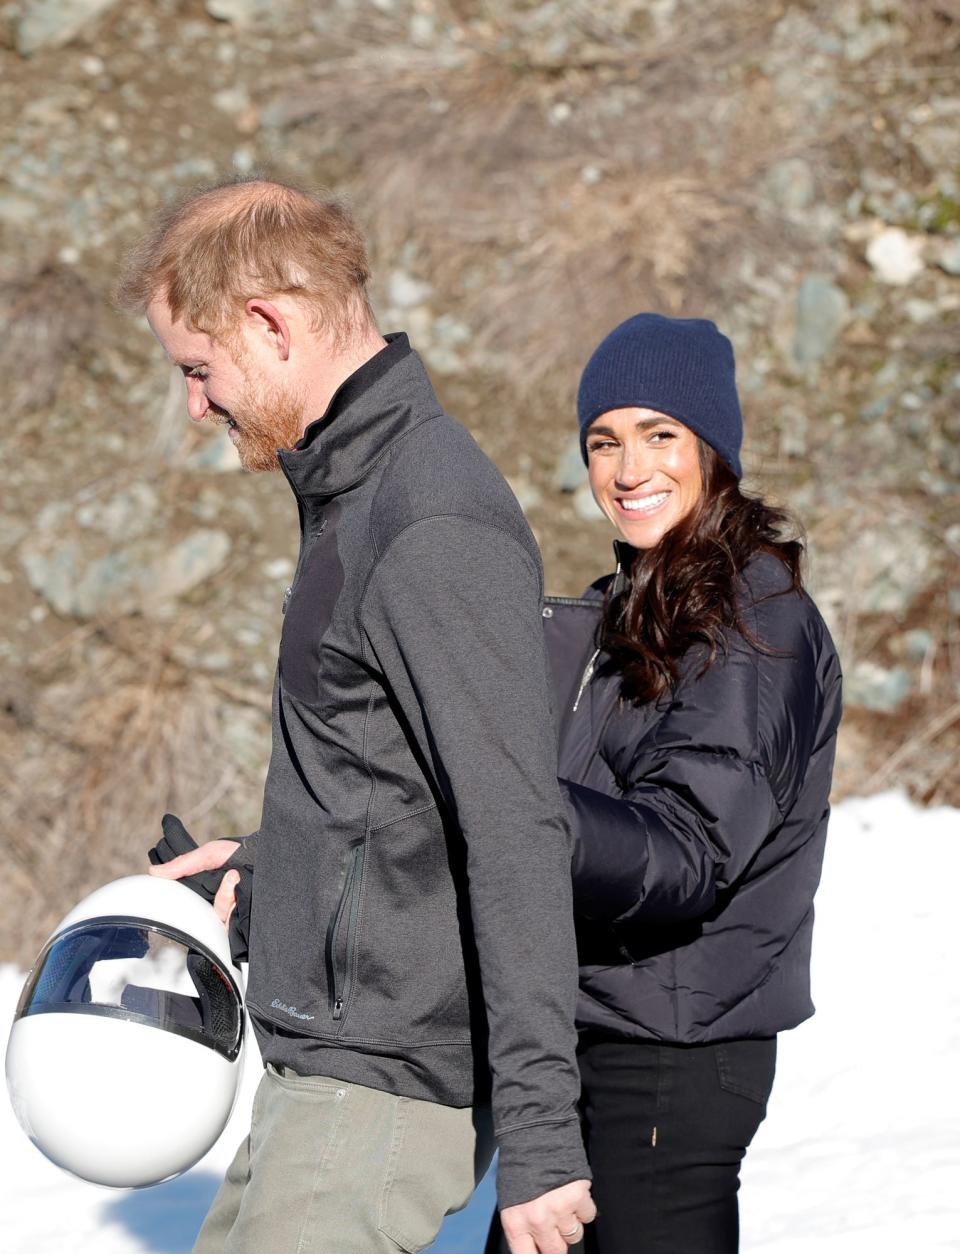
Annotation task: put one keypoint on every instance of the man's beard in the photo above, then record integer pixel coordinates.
(269, 418)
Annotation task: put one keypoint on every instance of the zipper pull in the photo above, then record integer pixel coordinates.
(338, 1008)
(587, 676)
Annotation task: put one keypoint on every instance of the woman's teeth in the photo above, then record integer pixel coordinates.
(644, 502)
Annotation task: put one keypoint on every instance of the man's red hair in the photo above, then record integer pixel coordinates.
(212, 251)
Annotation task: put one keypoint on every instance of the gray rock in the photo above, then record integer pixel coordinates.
(821, 314)
(868, 39)
(935, 132)
(947, 256)
(87, 572)
(527, 493)
(585, 506)
(423, 30)
(125, 515)
(244, 159)
(883, 566)
(898, 582)
(279, 568)
(183, 567)
(240, 12)
(17, 211)
(570, 472)
(921, 311)
(232, 100)
(876, 409)
(916, 644)
(406, 292)
(873, 687)
(895, 257)
(217, 453)
(791, 185)
(794, 429)
(447, 335)
(53, 23)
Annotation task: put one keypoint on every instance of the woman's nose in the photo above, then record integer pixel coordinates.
(634, 468)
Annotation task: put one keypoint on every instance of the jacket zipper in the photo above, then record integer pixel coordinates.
(348, 905)
(592, 664)
(586, 677)
(306, 539)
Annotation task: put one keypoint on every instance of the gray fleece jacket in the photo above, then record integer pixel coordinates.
(412, 925)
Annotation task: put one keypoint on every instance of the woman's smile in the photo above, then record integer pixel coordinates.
(646, 504)
(644, 469)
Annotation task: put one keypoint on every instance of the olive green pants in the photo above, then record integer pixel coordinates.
(336, 1168)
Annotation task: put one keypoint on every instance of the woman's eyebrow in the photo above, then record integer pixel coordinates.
(660, 421)
(644, 424)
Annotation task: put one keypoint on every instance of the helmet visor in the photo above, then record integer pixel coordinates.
(131, 969)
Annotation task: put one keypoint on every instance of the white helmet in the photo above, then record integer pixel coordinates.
(124, 1059)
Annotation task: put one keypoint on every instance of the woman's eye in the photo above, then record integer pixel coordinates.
(663, 435)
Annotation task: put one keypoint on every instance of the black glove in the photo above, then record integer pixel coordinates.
(177, 840)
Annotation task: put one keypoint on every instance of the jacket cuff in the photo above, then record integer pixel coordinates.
(540, 1157)
(239, 930)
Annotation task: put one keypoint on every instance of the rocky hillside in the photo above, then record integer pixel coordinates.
(528, 174)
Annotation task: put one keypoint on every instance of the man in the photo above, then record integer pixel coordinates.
(411, 923)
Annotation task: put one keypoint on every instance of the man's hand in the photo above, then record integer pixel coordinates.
(550, 1223)
(208, 857)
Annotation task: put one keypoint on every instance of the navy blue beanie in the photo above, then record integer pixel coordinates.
(683, 367)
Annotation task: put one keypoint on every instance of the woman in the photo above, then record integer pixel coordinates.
(699, 694)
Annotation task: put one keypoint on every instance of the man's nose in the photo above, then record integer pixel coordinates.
(197, 403)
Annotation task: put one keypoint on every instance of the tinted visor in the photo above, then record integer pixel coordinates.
(131, 969)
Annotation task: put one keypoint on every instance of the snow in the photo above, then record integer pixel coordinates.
(860, 1152)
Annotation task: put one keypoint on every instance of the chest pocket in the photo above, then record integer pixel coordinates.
(309, 613)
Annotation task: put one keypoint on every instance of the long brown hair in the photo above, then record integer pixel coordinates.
(684, 590)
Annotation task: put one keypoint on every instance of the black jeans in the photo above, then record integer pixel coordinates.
(666, 1129)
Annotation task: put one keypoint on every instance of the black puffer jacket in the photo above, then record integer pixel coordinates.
(699, 821)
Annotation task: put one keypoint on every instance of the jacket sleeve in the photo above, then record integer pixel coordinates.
(706, 786)
(453, 614)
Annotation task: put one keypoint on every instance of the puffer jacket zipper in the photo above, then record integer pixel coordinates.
(592, 664)
(585, 678)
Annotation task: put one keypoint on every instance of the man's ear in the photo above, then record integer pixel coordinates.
(267, 320)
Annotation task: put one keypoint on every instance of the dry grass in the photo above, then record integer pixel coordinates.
(543, 210)
(45, 319)
(93, 759)
(934, 26)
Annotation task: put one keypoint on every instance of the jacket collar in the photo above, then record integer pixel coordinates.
(388, 396)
